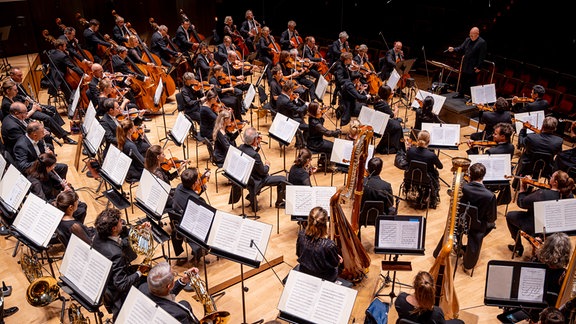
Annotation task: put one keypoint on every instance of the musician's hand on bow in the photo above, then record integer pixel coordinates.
(450, 49)
(340, 260)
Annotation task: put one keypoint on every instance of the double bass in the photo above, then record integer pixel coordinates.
(179, 63)
(86, 55)
(195, 37)
(101, 50)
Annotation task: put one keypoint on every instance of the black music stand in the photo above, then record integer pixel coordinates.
(389, 240)
(283, 145)
(467, 218)
(76, 294)
(242, 186)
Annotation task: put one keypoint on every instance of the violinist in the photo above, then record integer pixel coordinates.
(391, 139)
(421, 153)
(424, 114)
(341, 73)
(338, 47)
(228, 94)
(182, 37)
(544, 143)
(389, 61)
(561, 186)
(377, 189)
(350, 104)
(289, 72)
(289, 104)
(159, 47)
(72, 44)
(208, 113)
(501, 114)
(109, 121)
(222, 49)
(155, 162)
(317, 131)
(192, 98)
(360, 59)
(300, 171)
(309, 50)
(289, 38)
(222, 137)
(502, 136)
(93, 39)
(107, 91)
(204, 62)
(130, 147)
(120, 33)
(567, 158)
(537, 101)
(300, 72)
(250, 30)
(93, 91)
(235, 69)
(276, 86)
(265, 51)
(62, 62)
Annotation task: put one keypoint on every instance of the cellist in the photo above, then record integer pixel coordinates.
(62, 62)
(184, 42)
(72, 44)
(222, 50)
(289, 38)
(204, 61)
(250, 30)
(388, 63)
(308, 53)
(159, 47)
(93, 39)
(265, 52)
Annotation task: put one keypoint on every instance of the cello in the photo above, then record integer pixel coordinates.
(195, 37)
(86, 55)
(322, 66)
(274, 50)
(179, 63)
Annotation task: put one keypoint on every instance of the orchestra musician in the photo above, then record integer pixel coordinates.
(475, 194)
(192, 98)
(377, 189)
(501, 114)
(309, 52)
(421, 153)
(162, 288)
(222, 49)
(341, 73)
(93, 91)
(260, 176)
(317, 131)
(561, 186)
(288, 36)
(238, 72)
(204, 62)
(545, 142)
(208, 114)
(567, 158)
(128, 146)
(72, 44)
(276, 86)
(391, 139)
(106, 90)
(222, 137)
(249, 30)
(182, 37)
(350, 104)
(119, 64)
(14, 127)
(502, 136)
(108, 120)
(317, 253)
(159, 47)
(555, 254)
(474, 50)
(388, 62)
(61, 62)
(538, 102)
(120, 33)
(290, 106)
(300, 171)
(93, 40)
(153, 162)
(68, 202)
(338, 47)
(265, 52)
(300, 72)
(111, 240)
(229, 95)
(425, 114)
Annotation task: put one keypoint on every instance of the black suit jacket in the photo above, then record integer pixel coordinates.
(335, 50)
(221, 54)
(61, 63)
(424, 155)
(181, 40)
(12, 130)
(376, 189)
(490, 119)
(538, 143)
(119, 35)
(202, 67)
(388, 64)
(181, 311)
(92, 40)
(181, 195)
(25, 154)
(71, 47)
(120, 279)
(478, 196)
(289, 108)
(119, 65)
(538, 104)
(502, 148)
(259, 171)
(159, 47)
(474, 54)
(110, 129)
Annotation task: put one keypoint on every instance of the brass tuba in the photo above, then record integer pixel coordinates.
(142, 242)
(211, 314)
(42, 291)
(76, 316)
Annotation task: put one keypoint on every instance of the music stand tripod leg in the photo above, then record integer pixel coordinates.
(244, 290)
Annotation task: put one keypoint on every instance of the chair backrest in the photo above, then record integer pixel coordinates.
(370, 211)
(406, 321)
(210, 149)
(417, 173)
(541, 165)
(179, 101)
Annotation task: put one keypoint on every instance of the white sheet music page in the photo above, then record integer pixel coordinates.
(316, 300)
(555, 215)
(438, 100)
(377, 119)
(443, 134)
(531, 286)
(116, 164)
(499, 282)
(498, 166)
(181, 128)
(249, 97)
(238, 165)
(535, 118)
(392, 81)
(86, 268)
(483, 94)
(38, 220)
(196, 220)
(399, 234)
(138, 309)
(2, 165)
(342, 151)
(89, 117)
(321, 87)
(158, 92)
(301, 199)
(233, 234)
(75, 99)
(283, 127)
(13, 187)
(94, 137)
(153, 192)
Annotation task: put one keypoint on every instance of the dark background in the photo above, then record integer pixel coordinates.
(536, 32)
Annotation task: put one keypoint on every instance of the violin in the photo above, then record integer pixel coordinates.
(527, 125)
(200, 186)
(204, 86)
(482, 107)
(132, 113)
(522, 100)
(241, 64)
(137, 134)
(172, 163)
(481, 143)
(530, 182)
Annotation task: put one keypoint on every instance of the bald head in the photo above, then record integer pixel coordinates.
(474, 33)
(97, 70)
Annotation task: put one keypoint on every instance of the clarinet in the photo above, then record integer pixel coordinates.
(64, 185)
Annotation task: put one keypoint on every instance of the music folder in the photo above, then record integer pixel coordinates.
(229, 236)
(438, 101)
(443, 136)
(283, 129)
(238, 166)
(342, 152)
(37, 220)
(400, 234)
(180, 129)
(139, 308)
(13, 188)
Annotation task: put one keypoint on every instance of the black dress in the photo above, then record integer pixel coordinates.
(68, 227)
(405, 309)
(298, 176)
(317, 257)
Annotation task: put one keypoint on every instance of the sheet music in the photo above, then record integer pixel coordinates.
(499, 282)
(116, 165)
(301, 199)
(392, 81)
(138, 309)
(483, 94)
(377, 119)
(196, 220)
(438, 100)
(531, 286)
(238, 165)
(443, 134)
(2, 165)
(555, 215)
(321, 87)
(75, 99)
(233, 234)
(399, 234)
(86, 268)
(38, 220)
(13, 187)
(535, 118)
(158, 92)
(89, 117)
(249, 97)
(153, 192)
(497, 165)
(316, 300)
(181, 128)
(283, 127)
(94, 137)
(342, 151)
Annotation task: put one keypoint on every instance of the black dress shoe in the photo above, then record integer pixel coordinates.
(280, 204)
(70, 141)
(10, 311)
(519, 250)
(4, 231)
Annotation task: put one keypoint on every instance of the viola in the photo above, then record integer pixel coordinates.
(139, 133)
(200, 186)
(527, 124)
(322, 66)
(523, 100)
(225, 79)
(241, 64)
(482, 107)
(204, 86)
(172, 163)
(530, 182)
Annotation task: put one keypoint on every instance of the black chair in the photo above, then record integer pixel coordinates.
(417, 185)
(197, 138)
(179, 101)
(218, 166)
(370, 211)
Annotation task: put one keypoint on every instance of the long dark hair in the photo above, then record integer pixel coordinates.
(38, 169)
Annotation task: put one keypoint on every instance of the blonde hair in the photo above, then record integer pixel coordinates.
(317, 220)
(423, 138)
